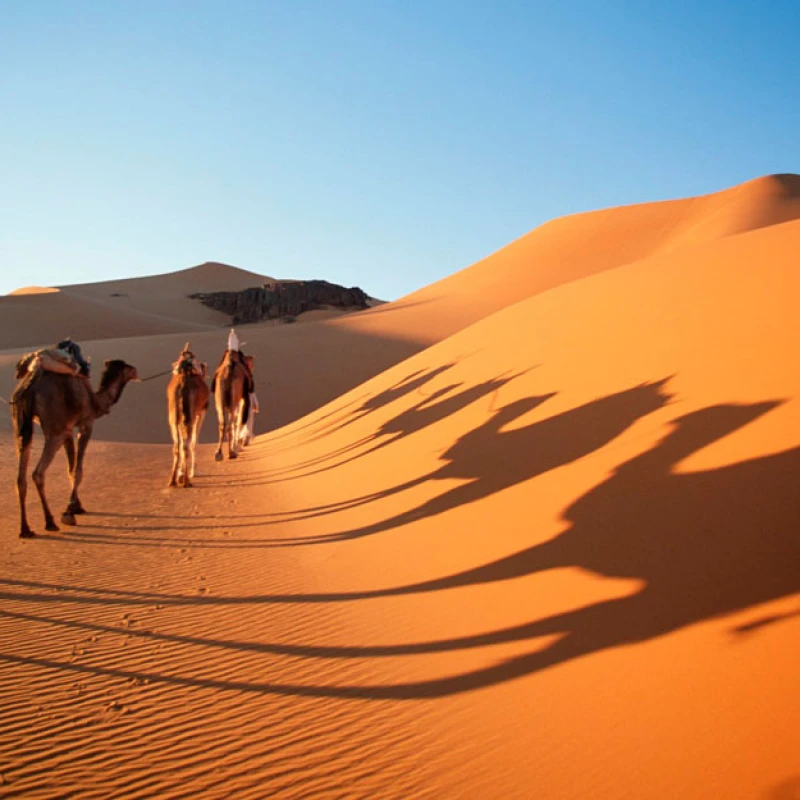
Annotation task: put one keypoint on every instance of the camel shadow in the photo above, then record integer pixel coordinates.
(703, 545)
(411, 383)
(431, 409)
(493, 459)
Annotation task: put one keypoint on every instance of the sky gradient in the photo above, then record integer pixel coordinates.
(378, 144)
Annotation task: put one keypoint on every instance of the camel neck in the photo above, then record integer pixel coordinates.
(108, 396)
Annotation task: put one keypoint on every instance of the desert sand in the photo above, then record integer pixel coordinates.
(530, 531)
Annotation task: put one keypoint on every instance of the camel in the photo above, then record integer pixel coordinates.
(187, 403)
(61, 404)
(232, 383)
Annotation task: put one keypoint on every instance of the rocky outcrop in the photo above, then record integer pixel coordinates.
(282, 300)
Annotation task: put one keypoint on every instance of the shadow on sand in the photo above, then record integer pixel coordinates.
(702, 545)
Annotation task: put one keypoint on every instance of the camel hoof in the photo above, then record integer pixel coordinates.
(79, 510)
(27, 534)
(68, 518)
(233, 455)
(51, 526)
(217, 456)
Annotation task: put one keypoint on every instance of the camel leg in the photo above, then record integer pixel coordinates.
(186, 444)
(237, 431)
(198, 424)
(51, 446)
(25, 531)
(239, 427)
(222, 424)
(69, 449)
(231, 434)
(76, 474)
(176, 456)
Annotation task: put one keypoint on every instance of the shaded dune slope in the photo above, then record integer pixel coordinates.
(167, 294)
(30, 321)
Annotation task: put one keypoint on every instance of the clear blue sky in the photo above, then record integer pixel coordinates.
(383, 144)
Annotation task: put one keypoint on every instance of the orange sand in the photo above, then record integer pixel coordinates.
(530, 532)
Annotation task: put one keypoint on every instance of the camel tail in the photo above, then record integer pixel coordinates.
(22, 413)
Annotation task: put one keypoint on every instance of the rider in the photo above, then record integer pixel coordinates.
(196, 367)
(234, 346)
(74, 350)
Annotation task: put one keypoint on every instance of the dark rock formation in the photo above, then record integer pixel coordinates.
(282, 299)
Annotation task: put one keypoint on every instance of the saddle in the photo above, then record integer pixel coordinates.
(188, 364)
(48, 360)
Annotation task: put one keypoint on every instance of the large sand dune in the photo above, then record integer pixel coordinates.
(549, 550)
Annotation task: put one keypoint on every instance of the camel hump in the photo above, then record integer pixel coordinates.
(24, 365)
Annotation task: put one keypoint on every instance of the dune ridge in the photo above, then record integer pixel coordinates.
(34, 290)
(549, 553)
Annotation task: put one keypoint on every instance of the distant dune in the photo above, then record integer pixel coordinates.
(530, 531)
(34, 290)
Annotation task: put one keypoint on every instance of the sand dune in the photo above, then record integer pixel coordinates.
(549, 550)
(167, 295)
(34, 290)
(300, 370)
(118, 309)
(42, 319)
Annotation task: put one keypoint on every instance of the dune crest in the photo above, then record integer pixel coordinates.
(34, 290)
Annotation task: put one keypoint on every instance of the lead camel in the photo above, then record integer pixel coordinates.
(64, 405)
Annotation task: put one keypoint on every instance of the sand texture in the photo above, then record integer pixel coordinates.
(532, 531)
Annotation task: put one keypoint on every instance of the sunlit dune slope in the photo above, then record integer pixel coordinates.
(574, 525)
(570, 248)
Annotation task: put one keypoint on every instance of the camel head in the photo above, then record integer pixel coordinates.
(116, 371)
(116, 374)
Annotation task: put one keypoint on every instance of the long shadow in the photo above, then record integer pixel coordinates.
(703, 544)
(340, 418)
(515, 633)
(622, 533)
(438, 406)
(494, 459)
(411, 383)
